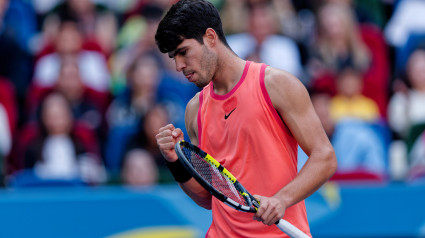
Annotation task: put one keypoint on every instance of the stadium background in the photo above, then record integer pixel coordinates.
(100, 56)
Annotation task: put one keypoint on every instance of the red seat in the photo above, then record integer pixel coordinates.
(7, 99)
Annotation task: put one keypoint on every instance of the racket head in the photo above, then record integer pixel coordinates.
(216, 179)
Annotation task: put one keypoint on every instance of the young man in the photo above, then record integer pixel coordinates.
(248, 116)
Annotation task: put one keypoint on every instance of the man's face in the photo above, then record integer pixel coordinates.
(196, 61)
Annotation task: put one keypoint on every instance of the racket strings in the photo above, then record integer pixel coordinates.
(213, 176)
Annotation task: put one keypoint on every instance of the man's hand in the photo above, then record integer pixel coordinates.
(166, 138)
(271, 210)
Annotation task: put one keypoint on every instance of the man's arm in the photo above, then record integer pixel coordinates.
(291, 100)
(168, 136)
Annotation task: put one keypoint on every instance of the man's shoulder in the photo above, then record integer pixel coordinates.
(275, 75)
(282, 87)
(193, 103)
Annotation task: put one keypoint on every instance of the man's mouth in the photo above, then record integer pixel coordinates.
(189, 76)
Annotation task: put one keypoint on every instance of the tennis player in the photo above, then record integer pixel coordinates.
(251, 118)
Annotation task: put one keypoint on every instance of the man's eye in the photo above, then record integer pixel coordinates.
(182, 53)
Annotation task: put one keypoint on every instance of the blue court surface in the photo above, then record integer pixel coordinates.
(336, 210)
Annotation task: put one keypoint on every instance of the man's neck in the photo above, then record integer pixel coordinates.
(229, 71)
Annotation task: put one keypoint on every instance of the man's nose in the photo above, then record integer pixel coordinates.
(180, 65)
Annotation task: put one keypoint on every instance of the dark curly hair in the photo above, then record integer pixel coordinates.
(188, 19)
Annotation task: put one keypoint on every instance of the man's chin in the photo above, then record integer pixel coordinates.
(201, 84)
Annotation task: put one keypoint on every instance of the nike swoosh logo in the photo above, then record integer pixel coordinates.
(227, 116)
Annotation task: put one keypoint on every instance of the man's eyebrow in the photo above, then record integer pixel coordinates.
(173, 54)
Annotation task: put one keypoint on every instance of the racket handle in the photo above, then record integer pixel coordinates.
(290, 229)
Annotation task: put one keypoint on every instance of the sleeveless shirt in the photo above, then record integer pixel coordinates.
(244, 132)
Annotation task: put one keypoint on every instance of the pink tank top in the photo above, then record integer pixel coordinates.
(244, 132)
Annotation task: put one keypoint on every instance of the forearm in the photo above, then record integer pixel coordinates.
(197, 193)
(189, 185)
(317, 170)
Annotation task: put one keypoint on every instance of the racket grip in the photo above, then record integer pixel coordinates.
(290, 229)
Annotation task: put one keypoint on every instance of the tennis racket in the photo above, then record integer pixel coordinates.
(222, 184)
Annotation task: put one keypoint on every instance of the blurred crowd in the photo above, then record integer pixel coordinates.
(84, 90)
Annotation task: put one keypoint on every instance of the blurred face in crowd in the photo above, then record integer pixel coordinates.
(139, 169)
(145, 75)
(416, 70)
(69, 39)
(262, 21)
(56, 115)
(349, 83)
(69, 82)
(332, 21)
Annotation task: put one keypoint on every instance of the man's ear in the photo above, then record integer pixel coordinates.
(210, 37)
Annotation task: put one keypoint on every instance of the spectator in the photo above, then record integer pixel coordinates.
(68, 43)
(146, 86)
(296, 23)
(145, 139)
(96, 21)
(340, 42)
(406, 114)
(59, 149)
(405, 20)
(349, 101)
(137, 37)
(406, 108)
(83, 101)
(139, 169)
(128, 109)
(87, 105)
(234, 15)
(263, 43)
(359, 147)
